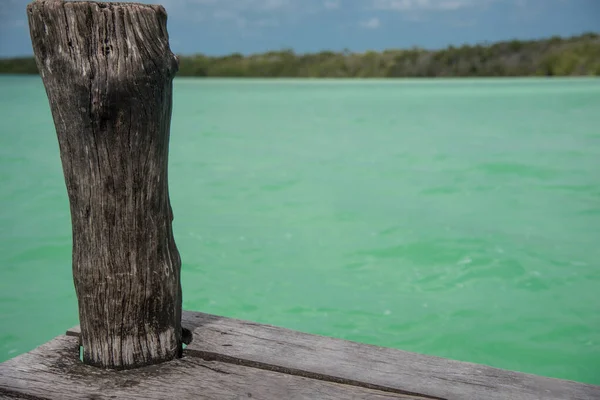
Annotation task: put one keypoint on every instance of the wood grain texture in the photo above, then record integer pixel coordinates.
(53, 371)
(279, 349)
(107, 69)
(335, 360)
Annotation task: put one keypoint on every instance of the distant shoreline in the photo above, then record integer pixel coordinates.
(556, 56)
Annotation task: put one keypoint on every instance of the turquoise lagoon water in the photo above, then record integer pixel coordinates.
(459, 218)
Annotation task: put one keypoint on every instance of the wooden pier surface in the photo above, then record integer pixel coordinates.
(234, 359)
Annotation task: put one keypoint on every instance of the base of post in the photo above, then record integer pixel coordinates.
(132, 351)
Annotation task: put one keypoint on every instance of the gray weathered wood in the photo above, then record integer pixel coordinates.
(107, 69)
(279, 349)
(53, 371)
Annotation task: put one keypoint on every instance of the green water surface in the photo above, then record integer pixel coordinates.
(459, 218)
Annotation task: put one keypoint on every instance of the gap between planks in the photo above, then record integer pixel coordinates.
(335, 360)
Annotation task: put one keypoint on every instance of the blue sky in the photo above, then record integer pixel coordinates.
(249, 26)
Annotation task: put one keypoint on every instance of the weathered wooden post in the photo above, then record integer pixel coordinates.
(108, 73)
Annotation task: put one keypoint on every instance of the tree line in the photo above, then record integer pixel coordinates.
(556, 56)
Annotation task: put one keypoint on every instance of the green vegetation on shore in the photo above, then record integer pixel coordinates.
(575, 56)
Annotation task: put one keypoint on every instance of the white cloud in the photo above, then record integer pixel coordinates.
(331, 4)
(249, 16)
(242, 13)
(256, 5)
(423, 10)
(425, 5)
(371, 23)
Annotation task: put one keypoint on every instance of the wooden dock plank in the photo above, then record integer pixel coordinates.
(53, 371)
(279, 349)
(275, 348)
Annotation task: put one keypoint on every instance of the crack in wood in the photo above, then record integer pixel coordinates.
(210, 356)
